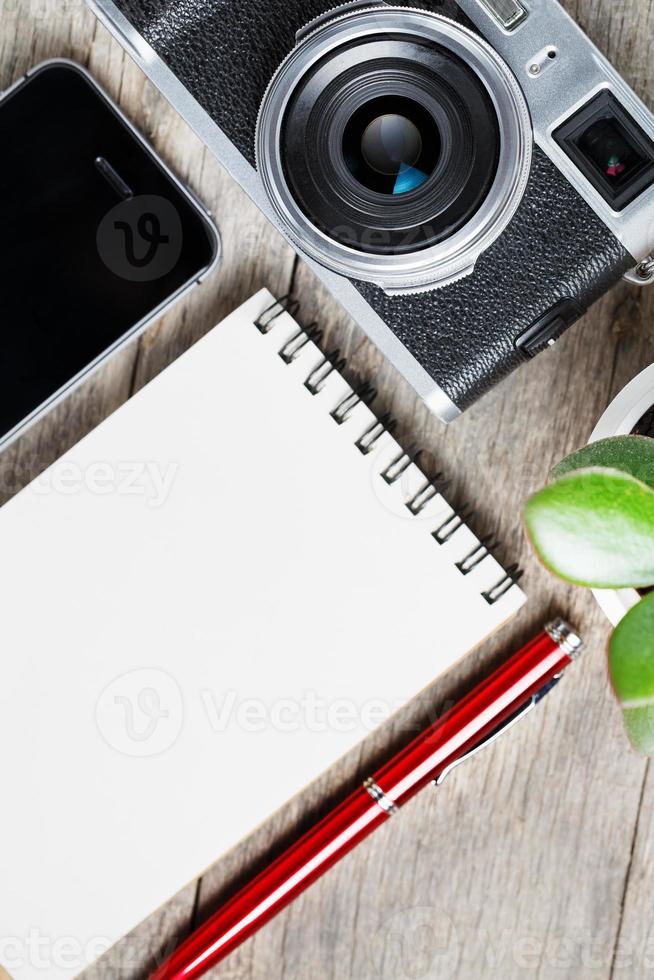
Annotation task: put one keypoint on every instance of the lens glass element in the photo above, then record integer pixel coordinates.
(391, 145)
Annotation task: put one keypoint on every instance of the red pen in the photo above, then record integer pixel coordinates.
(481, 716)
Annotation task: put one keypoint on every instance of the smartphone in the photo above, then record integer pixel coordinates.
(97, 238)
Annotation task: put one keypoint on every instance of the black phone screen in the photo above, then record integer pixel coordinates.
(94, 236)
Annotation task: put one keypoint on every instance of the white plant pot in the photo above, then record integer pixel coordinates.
(620, 419)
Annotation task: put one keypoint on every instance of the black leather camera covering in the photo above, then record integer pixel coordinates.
(555, 248)
(464, 335)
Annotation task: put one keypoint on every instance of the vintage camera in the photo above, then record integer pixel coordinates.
(467, 178)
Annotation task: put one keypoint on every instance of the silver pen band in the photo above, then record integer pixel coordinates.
(563, 634)
(379, 796)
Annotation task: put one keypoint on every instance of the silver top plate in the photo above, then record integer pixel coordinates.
(560, 70)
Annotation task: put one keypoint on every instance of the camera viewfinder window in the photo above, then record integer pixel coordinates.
(610, 149)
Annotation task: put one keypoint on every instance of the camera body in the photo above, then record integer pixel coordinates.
(467, 178)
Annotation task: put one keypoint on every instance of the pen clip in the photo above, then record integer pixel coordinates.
(508, 723)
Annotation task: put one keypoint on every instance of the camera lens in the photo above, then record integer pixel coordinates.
(394, 145)
(391, 146)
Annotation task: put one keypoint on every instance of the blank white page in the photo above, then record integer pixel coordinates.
(205, 603)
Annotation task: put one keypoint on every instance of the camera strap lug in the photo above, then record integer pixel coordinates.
(643, 273)
(334, 12)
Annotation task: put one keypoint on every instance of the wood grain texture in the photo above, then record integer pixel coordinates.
(536, 860)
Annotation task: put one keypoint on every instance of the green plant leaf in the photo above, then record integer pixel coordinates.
(639, 724)
(631, 665)
(595, 527)
(629, 454)
(631, 656)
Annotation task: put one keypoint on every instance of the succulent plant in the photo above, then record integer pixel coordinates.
(593, 525)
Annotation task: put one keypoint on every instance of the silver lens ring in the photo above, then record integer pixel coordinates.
(448, 260)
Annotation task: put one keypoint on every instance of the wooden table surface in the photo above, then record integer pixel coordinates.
(536, 860)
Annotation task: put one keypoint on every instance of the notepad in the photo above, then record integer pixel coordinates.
(205, 603)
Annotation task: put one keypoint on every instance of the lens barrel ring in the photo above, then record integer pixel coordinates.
(333, 133)
(455, 112)
(370, 142)
(331, 137)
(446, 260)
(385, 208)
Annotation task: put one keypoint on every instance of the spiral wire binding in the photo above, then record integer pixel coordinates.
(513, 575)
(293, 348)
(287, 304)
(318, 377)
(367, 442)
(398, 467)
(452, 524)
(366, 393)
(485, 547)
(432, 488)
